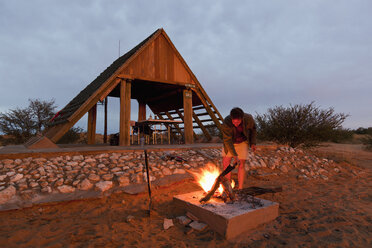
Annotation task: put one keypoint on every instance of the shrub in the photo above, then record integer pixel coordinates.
(341, 135)
(299, 124)
(367, 141)
(72, 136)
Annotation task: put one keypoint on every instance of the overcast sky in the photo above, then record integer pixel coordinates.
(252, 54)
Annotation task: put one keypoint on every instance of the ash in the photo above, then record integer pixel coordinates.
(243, 203)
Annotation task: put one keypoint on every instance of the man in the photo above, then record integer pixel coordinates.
(239, 133)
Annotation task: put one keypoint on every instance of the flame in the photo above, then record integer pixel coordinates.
(207, 175)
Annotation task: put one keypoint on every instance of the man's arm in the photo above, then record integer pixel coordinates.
(227, 134)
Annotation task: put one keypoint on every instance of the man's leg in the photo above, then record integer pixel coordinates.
(225, 162)
(241, 173)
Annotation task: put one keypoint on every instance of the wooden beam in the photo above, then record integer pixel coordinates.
(187, 110)
(92, 119)
(181, 117)
(176, 125)
(141, 110)
(209, 110)
(158, 80)
(125, 94)
(105, 124)
(204, 130)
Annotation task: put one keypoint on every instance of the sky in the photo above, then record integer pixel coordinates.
(251, 54)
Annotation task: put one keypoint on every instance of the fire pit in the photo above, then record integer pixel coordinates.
(228, 218)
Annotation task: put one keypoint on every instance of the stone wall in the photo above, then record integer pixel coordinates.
(24, 178)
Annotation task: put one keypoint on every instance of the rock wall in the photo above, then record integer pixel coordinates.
(65, 174)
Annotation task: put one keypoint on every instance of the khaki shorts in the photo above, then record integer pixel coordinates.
(242, 149)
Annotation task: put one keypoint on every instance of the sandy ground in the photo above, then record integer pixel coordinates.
(313, 213)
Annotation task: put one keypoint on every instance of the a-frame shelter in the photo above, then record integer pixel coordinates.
(156, 75)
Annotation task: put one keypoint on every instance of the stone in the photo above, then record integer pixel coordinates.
(77, 158)
(107, 177)
(324, 177)
(18, 161)
(198, 226)
(59, 182)
(130, 218)
(101, 166)
(16, 177)
(166, 172)
(75, 183)
(85, 185)
(123, 181)
(7, 161)
(104, 185)
(2, 177)
(167, 224)
(90, 160)
(179, 171)
(47, 189)
(34, 184)
(116, 169)
(10, 173)
(7, 194)
(283, 169)
(183, 220)
(229, 220)
(66, 189)
(72, 163)
(336, 170)
(94, 177)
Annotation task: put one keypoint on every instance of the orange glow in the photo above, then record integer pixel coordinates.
(206, 177)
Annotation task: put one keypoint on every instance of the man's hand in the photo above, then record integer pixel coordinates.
(253, 147)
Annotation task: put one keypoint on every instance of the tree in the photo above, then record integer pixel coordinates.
(21, 124)
(299, 124)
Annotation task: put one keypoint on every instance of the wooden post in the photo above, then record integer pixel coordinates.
(125, 95)
(105, 125)
(187, 112)
(141, 110)
(92, 118)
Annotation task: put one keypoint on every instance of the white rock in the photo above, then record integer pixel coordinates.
(7, 194)
(66, 189)
(72, 163)
(167, 223)
(166, 172)
(76, 158)
(18, 161)
(283, 168)
(10, 173)
(183, 220)
(199, 226)
(90, 160)
(16, 178)
(34, 184)
(104, 185)
(94, 177)
(85, 185)
(179, 171)
(123, 181)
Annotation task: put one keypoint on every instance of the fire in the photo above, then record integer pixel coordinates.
(207, 175)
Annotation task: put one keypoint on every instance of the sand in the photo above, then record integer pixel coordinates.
(313, 213)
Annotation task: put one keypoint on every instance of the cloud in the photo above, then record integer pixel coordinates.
(253, 54)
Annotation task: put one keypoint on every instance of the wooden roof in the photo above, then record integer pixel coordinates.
(159, 75)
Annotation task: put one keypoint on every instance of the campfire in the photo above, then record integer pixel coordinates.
(206, 177)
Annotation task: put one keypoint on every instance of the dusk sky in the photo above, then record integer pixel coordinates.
(251, 54)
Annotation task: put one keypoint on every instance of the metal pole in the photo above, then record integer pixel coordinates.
(148, 180)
